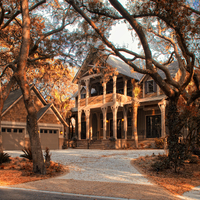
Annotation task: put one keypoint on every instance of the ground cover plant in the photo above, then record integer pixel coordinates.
(187, 177)
(20, 170)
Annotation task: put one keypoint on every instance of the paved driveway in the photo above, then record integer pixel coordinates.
(100, 165)
(100, 173)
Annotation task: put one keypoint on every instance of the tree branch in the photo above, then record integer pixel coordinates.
(18, 12)
(1, 13)
(11, 66)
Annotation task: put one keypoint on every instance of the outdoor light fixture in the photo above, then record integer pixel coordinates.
(107, 121)
(61, 132)
(122, 119)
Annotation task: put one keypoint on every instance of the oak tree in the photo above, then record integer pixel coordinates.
(166, 31)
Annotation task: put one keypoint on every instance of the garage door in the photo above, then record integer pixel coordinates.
(13, 138)
(49, 138)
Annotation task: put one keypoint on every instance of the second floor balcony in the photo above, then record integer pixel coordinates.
(95, 100)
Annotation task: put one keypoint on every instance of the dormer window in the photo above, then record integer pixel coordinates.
(150, 86)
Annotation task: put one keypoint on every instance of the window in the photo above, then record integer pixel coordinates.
(3, 130)
(50, 131)
(129, 121)
(8, 129)
(41, 130)
(45, 131)
(129, 92)
(15, 130)
(20, 130)
(150, 86)
(83, 96)
(54, 131)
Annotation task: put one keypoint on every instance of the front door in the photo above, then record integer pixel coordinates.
(153, 126)
(83, 130)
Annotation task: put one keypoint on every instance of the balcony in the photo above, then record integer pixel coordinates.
(109, 98)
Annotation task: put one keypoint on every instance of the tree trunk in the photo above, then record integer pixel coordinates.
(176, 150)
(1, 145)
(1, 108)
(32, 127)
(38, 160)
(172, 122)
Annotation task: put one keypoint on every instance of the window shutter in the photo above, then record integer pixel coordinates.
(145, 87)
(154, 86)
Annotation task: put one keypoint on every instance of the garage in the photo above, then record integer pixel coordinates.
(13, 138)
(49, 138)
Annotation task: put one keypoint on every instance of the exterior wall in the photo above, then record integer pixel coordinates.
(50, 118)
(17, 113)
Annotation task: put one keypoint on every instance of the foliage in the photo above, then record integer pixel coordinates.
(4, 157)
(27, 153)
(161, 162)
(47, 157)
(159, 143)
(112, 139)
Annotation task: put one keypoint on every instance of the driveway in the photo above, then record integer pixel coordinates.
(100, 173)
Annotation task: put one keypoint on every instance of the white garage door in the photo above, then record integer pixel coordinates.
(49, 138)
(13, 138)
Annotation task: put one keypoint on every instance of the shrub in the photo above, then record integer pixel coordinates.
(112, 139)
(4, 157)
(159, 143)
(161, 163)
(193, 159)
(27, 153)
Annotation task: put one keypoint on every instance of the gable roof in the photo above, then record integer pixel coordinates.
(112, 61)
(43, 110)
(12, 98)
(16, 95)
(123, 68)
(172, 67)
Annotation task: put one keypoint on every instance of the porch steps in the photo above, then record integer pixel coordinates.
(94, 144)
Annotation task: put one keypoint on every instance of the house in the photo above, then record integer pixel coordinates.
(114, 109)
(51, 125)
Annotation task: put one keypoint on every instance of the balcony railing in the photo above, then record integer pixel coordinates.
(109, 98)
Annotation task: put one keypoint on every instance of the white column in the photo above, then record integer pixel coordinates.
(79, 93)
(87, 81)
(135, 106)
(104, 111)
(79, 124)
(125, 111)
(90, 129)
(114, 110)
(104, 91)
(125, 88)
(87, 114)
(162, 106)
(114, 89)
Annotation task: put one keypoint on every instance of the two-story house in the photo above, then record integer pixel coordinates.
(112, 108)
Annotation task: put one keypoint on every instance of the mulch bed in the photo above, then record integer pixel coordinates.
(177, 183)
(19, 170)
